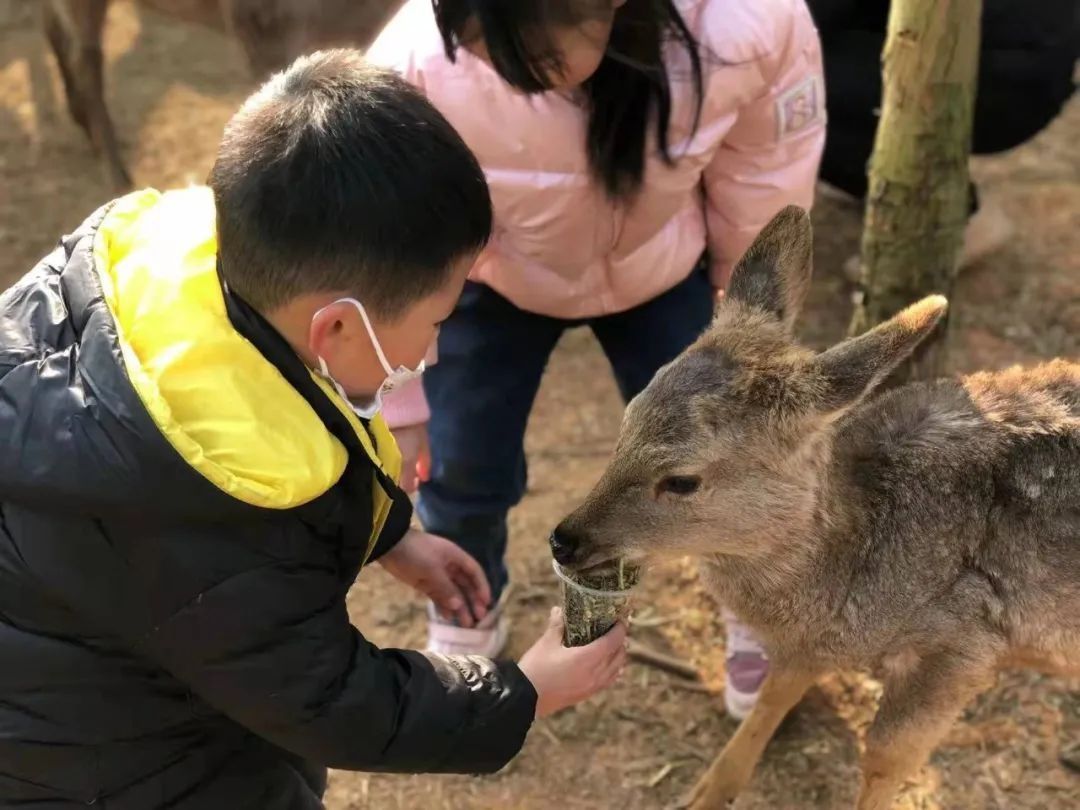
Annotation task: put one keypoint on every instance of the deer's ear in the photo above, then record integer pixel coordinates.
(850, 370)
(774, 275)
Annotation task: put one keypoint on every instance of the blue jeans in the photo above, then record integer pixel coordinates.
(491, 358)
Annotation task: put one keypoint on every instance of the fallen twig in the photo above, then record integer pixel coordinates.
(650, 622)
(661, 775)
(693, 686)
(548, 732)
(644, 764)
(537, 593)
(668, 663)
(1070, 758)
(641, 719)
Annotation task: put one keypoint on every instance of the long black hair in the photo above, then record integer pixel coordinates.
(631, 87)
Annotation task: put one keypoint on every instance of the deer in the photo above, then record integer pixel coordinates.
(929, 533)
(272, 33)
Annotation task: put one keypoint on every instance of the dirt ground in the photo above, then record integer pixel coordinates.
(173, 86)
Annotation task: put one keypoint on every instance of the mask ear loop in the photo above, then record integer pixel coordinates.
(371, 333)
(364, 412)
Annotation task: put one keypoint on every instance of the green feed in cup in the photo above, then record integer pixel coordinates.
(592, 603)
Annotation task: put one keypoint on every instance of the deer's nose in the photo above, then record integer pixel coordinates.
(564, 546)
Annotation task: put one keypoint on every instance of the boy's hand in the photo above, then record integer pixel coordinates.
(444, 573)
(415, 456)
(564, 676)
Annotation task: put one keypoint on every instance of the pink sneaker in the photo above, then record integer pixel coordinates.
(747, 665)
(487, 639)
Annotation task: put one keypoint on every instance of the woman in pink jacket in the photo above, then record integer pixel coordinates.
(633, 148)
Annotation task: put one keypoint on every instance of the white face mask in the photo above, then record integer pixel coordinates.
(395, 377)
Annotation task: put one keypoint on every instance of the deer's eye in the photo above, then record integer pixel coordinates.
(679, 484)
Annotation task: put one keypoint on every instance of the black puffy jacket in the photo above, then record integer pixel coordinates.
(183, 508)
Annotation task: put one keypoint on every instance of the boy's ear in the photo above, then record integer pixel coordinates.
(774, 275)
(850, 370)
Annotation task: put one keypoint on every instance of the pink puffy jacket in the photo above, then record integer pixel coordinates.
(560, 246)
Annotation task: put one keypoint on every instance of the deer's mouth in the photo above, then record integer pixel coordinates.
(604, 563)
(599, 569)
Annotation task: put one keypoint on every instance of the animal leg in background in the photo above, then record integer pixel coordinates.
(74, 30)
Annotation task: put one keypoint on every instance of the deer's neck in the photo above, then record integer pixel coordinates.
(788, 584)
(895, 503)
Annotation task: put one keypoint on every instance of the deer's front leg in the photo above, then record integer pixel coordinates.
(732, 770)
(917, 709)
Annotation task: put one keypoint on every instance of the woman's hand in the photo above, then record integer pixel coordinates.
(444, 573)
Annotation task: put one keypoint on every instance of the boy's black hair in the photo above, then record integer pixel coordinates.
(630, 90)
(338, 176)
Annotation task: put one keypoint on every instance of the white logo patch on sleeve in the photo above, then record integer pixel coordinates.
(799, 107)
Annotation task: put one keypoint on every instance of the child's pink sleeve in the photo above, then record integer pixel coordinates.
(407, 406)
(770, 157)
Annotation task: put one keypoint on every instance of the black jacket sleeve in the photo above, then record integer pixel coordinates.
(273, 649)
(397, 522)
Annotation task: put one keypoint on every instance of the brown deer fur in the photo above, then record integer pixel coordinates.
(930, 533)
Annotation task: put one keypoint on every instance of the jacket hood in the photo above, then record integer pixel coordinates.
(124, 385)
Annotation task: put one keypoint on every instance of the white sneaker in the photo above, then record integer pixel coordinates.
(487, 639)
(986, 232)
(837, 195)
(853, 269)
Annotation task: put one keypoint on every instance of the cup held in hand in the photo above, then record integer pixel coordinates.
(593, 602)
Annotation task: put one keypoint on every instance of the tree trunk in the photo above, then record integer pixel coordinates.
(918, 198)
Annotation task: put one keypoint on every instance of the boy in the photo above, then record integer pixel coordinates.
(193, 470)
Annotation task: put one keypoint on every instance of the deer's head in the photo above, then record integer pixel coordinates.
(722, 453)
